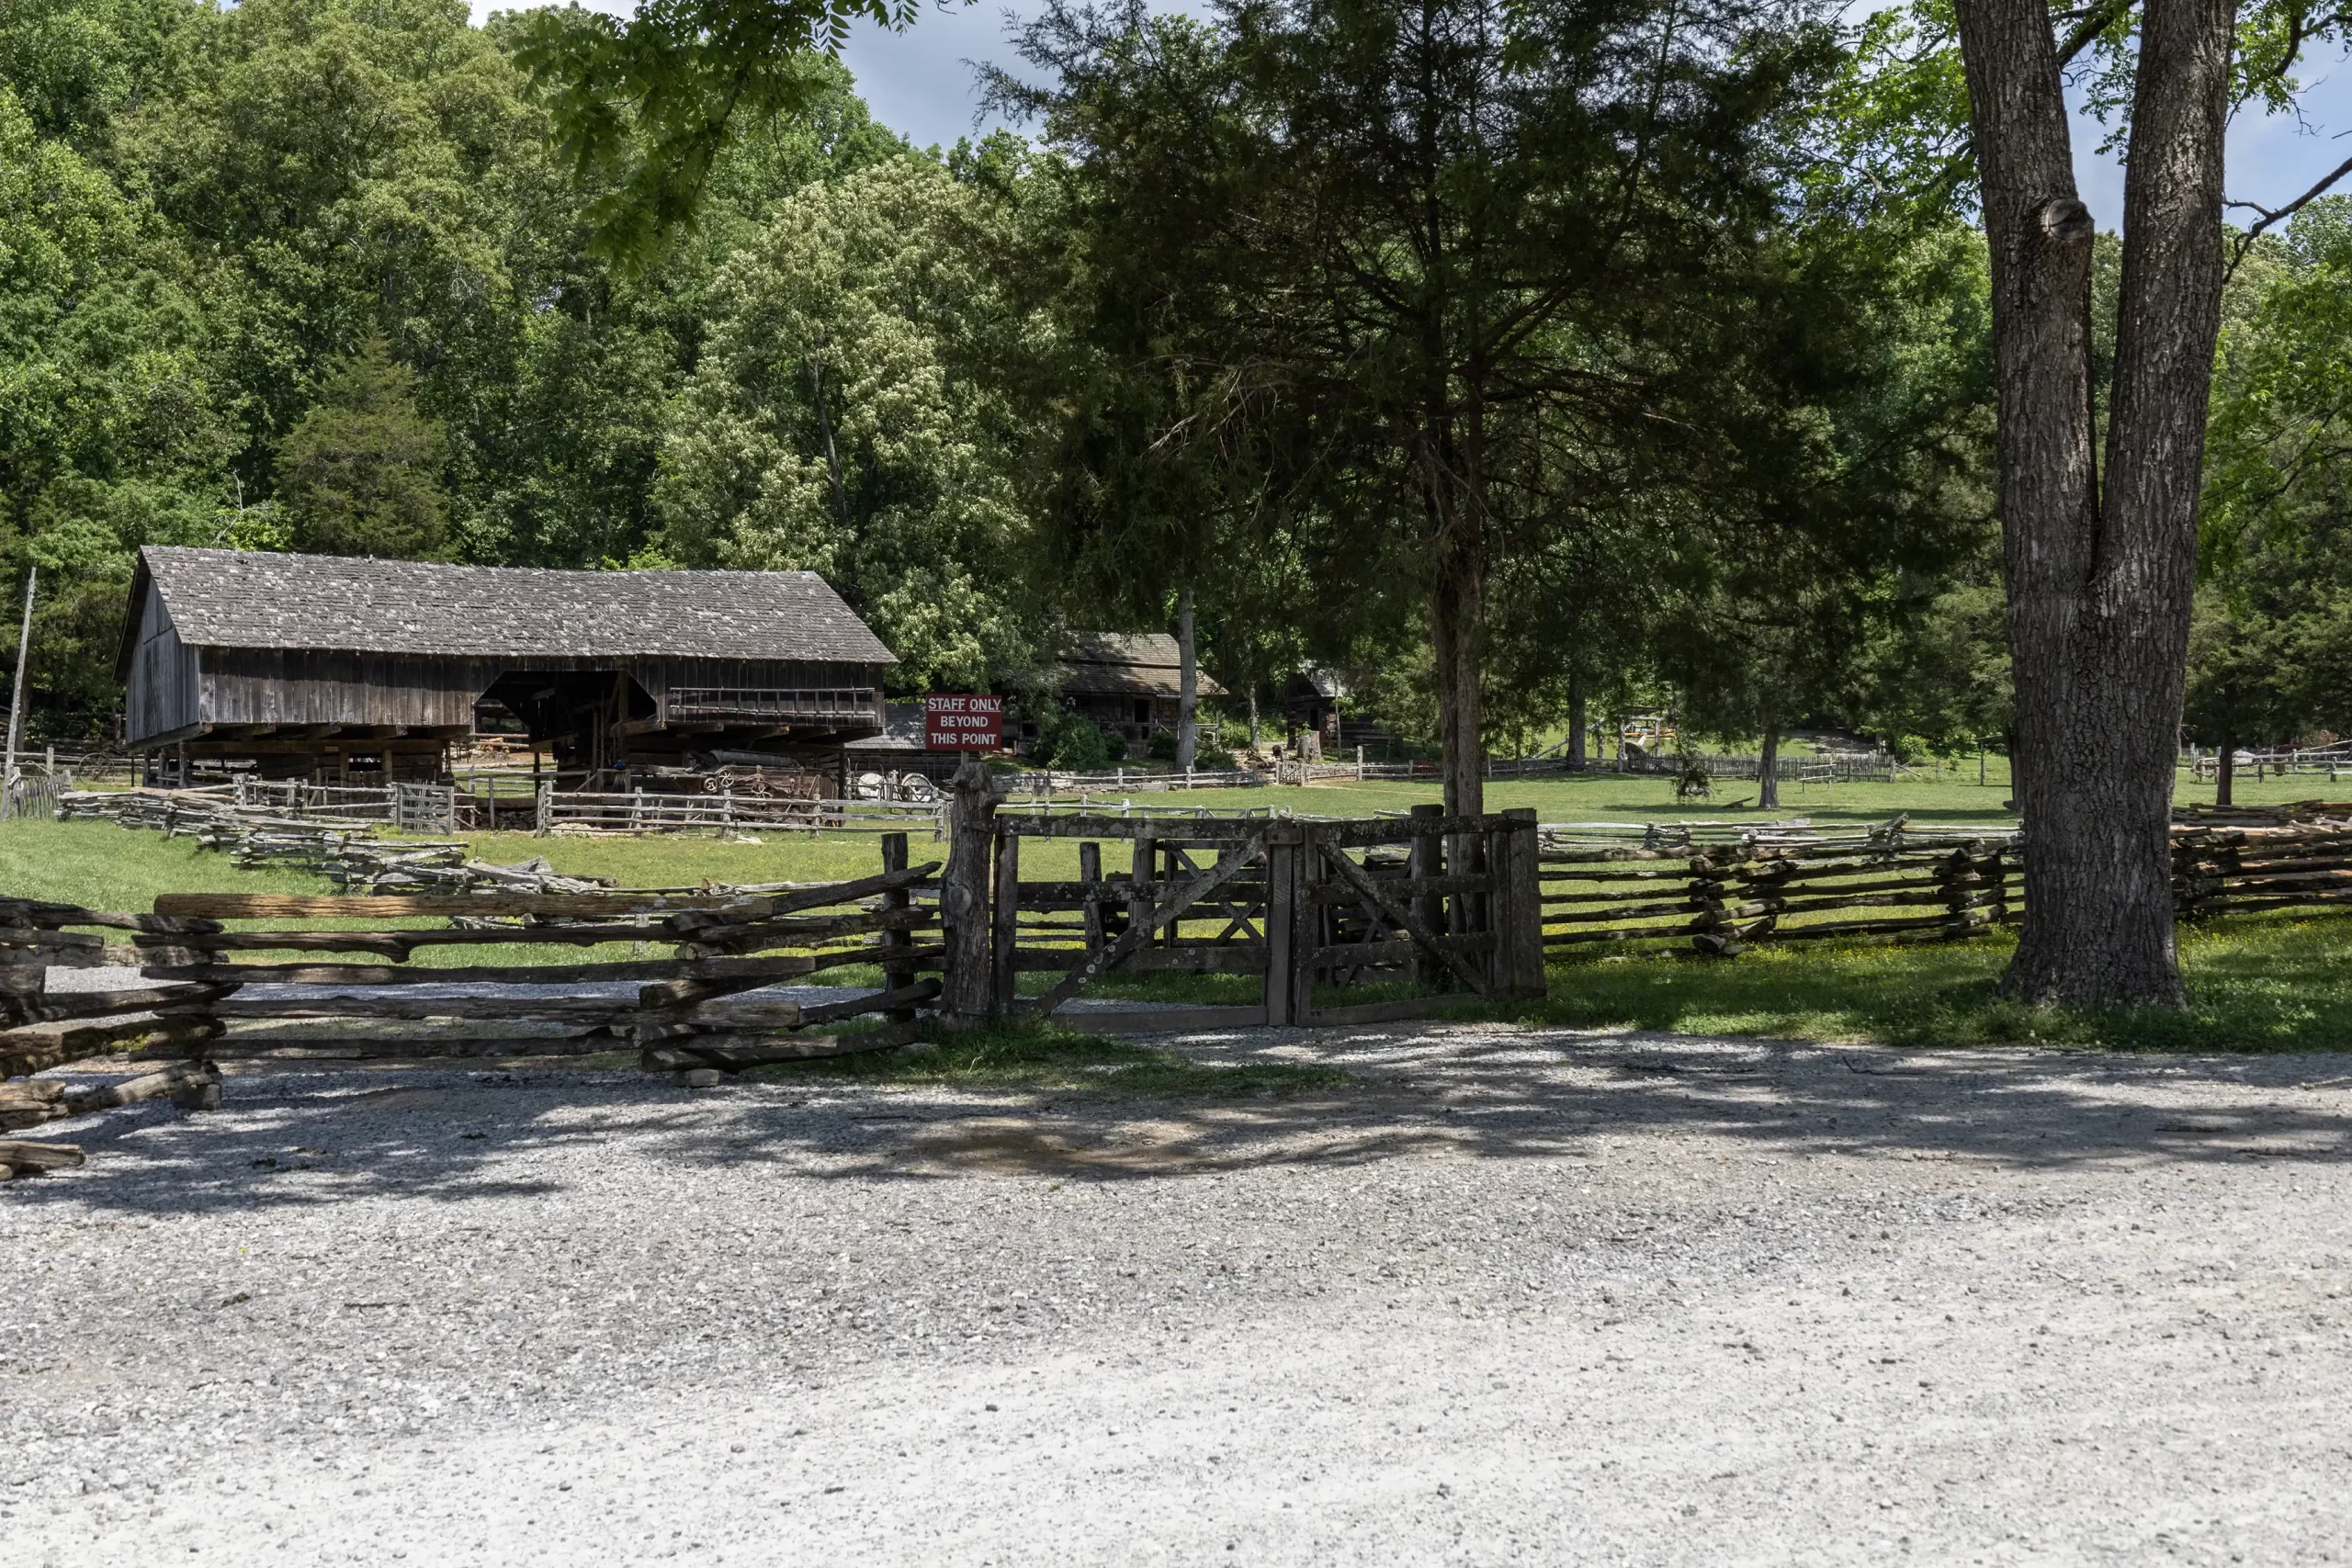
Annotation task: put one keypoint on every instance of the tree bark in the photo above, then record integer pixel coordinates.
(2098, 588)
(1575, 724)
(2225, 774)
(964, 891)
(1188, 681)
(1768, 770)
(1456, 602)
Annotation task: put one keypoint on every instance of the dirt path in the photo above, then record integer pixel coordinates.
(1532, 1297)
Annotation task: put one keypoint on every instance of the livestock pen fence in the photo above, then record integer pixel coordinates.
(1442, 907)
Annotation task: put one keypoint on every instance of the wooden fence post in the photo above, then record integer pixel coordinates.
(897, 976)
(1006, 921)
(1090, 876)
(1425, 858)
(543, 815)
(1283, 946)
(1143, 875)
(1310, 927)
(964, 892)
(1519, 905)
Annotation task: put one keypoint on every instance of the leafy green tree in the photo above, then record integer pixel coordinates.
(114, 431)
(648, 107)
(1437, 266)
(360, 472)
(844, 418)
(2099, 503)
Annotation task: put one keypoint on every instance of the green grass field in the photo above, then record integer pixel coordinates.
(2269, 983)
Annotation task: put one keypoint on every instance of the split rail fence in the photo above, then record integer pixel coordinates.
(292, 956)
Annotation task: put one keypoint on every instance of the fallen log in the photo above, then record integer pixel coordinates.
(31, 1159)
(42, 1047)
(151, 1086)
(733, 1052)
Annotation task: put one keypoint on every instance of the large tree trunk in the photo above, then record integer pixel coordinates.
(1575, 724)
(2225, 769)
(1188, 681)
(1768, 770)
(1454, 609)
(2098, 594)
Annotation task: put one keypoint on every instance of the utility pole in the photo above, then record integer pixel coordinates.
(17, 702)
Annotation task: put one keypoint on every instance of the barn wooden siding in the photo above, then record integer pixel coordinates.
(309, 686)
(163, 693)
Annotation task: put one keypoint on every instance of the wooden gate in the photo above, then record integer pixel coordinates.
(1445, 906)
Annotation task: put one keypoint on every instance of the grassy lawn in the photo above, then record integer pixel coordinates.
(2258, 982)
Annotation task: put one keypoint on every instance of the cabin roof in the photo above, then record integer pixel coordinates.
(1128, 664)
(358, 604)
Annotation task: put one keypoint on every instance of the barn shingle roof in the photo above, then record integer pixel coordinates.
(260, 599)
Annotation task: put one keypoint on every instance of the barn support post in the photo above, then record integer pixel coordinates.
(964, 892)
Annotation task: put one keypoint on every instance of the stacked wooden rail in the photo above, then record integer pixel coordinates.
(1887, 885)
(2246, 867)
(570, 812)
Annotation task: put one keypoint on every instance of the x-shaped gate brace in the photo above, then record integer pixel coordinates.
(1237, 915)
(1234, 861)
(1402, 916)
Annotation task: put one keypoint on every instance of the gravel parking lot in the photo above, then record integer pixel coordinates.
(1512, 1296)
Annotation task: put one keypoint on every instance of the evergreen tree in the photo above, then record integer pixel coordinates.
(360, 473)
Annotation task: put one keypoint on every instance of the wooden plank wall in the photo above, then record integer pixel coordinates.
(162, 695)
(317, 686)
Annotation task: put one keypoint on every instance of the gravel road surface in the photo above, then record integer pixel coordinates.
(1510, 1296)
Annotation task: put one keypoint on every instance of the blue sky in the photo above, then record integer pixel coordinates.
(919, 84)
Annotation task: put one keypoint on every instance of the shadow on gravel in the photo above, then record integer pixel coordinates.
(1452, 1091)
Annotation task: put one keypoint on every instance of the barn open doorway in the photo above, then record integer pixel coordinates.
(584, 716)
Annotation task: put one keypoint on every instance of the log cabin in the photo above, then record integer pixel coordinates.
(348, 670)
(1127, 682)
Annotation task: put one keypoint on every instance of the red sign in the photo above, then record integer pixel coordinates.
(959, 724)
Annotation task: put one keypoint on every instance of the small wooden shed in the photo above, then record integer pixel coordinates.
(343, 669)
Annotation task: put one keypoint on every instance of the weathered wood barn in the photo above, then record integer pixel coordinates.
(345, 669)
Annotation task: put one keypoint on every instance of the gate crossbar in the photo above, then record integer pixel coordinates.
(1404, 917)
(1234, 861)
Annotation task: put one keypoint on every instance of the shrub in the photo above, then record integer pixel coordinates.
(1071, 741)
